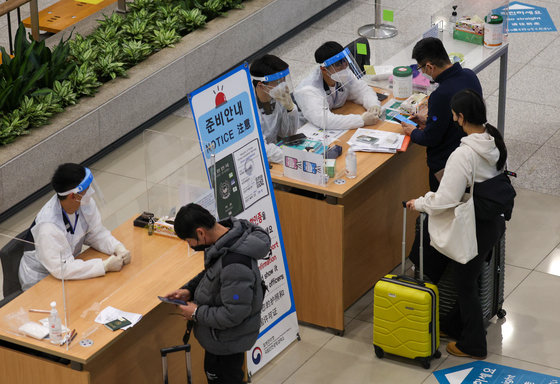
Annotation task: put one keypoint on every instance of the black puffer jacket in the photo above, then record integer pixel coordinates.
(228, 292)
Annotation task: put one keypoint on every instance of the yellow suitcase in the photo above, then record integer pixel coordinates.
(406, 314)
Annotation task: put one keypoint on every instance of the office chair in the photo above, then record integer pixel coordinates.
(359, 48)
(10, 256)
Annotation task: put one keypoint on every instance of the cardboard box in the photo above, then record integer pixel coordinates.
(470, 30)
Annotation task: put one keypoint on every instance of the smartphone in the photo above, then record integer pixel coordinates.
(172, 301)
(405, 120)
(381, 96)
(296, 139)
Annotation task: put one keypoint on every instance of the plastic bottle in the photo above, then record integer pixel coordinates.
(453, 18)
(351, 164)
(432, 87)
(55, 329)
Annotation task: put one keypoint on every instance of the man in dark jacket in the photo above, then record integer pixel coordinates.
(436, 129)
(225, 299)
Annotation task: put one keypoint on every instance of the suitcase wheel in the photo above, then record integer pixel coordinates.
(378, 351)
(501, 313)
(425, 361)
(437, 355)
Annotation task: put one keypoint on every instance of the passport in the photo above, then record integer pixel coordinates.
(117, 324)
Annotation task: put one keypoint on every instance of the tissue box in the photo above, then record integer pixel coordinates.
(469, 29)
(165, 227)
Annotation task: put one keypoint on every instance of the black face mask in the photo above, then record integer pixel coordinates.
(199, 247)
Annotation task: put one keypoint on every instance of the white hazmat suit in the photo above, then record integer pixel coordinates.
(54, 243)
(310, 95)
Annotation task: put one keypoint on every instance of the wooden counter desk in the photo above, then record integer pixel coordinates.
(159, 265)
(339, 246)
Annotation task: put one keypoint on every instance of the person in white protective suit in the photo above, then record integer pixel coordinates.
(336, 80)
(279, 115)
(66, 222)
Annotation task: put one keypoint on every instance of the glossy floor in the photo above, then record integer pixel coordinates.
(528, 337)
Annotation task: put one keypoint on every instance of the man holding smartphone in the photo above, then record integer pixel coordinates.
(224, 301)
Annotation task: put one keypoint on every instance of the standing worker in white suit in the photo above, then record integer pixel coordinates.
(335, 81)
(279, 115)
(66, 222)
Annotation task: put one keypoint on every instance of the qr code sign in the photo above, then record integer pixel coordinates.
(260, 181)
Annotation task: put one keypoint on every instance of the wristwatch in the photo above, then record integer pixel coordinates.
(193, 316)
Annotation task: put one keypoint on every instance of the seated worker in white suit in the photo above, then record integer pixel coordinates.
(66, 222)
(336, 80)
(279, 115)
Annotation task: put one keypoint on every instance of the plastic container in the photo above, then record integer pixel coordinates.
(493, 31)
(402, 83)
(351, 164)
(55, 329)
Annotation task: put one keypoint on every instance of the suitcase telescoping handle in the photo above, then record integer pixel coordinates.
(421, 250)
(165, 351)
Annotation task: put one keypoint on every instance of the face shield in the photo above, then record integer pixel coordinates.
(277, 87)
(91, 188)
(342, 67)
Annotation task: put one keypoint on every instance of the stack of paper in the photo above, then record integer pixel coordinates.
(373, 140)
(315, 133)
(111, 313)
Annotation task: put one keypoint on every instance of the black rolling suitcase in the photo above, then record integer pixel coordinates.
(490, 282)
(178, 348)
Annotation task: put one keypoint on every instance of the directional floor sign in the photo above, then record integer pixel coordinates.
(526, 18)
(481, 372)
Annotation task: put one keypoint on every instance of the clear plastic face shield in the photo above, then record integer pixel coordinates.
(341, 68)
(87, 192)
(277, 87)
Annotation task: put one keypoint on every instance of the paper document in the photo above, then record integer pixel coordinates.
(373, 140)
(111, 313)
(316, 133)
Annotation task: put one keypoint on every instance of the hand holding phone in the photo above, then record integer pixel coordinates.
(172, 301)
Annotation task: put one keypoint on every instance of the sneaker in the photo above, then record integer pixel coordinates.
(453, 350)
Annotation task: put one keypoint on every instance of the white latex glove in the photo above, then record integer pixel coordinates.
(113, 264)
(285, 99)
(123, 253)
(376, 109)
(370, 118)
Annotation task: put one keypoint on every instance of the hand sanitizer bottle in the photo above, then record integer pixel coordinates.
(55, 329)
(351, 164)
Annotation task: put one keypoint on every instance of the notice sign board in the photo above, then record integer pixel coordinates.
(228, 127)
(526, 18)
(481, 372)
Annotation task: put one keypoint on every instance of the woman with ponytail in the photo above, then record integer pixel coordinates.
(483, 150)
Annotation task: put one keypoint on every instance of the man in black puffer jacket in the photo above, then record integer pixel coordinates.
(225, 299)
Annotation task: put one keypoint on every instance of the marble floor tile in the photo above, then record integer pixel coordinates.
(534, 229)
(526, 121)
(366, 314)
(129, 160)
(523, 47)
(343, 360)
(519, 152)
(490, 76)
(548, 57)
(551, 264)
(23, 219)
(362, 303)
(554, 140)
(294, 356)
(534, 84)
(360, 331)
(541, 172)
(531, 321)
(513, 277)
(302, 47)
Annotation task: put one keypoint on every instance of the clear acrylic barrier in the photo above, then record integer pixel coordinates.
(167, 173)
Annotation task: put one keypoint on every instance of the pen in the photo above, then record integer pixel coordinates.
(39, 311)
(73, 337)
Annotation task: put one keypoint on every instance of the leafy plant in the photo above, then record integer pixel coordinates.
(107, 33)
(107, 67)
(137, 29)
(191, 19)
(36, 112)
(212, 8)
(12, 125)
(115, 20)
(142, 4)
(82, 50)
(65, 93)
(165, 37)
(84, 81)
(134, 51)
